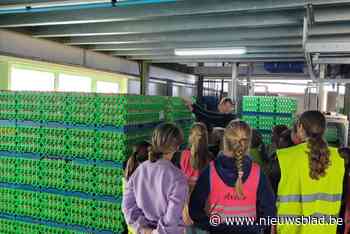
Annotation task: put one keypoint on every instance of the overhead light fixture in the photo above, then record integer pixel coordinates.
(211, 51)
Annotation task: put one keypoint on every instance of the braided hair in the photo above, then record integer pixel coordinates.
(314, 124)
(237, 139)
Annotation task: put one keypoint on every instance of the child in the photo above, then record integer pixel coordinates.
(193, 161)
(139, 155)
(232, 186)
(311, 177)
(155, 194)
(196, 158)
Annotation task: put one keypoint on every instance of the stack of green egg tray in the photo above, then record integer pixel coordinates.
(61, 158)
(265, 112)
(177, 112)
(332, 134)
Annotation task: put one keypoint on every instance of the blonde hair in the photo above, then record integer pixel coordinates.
(166, 139)
(237, 139)
(198, 140)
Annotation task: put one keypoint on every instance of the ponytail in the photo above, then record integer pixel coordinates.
(318, 157)
(153, 155)
(131, 165)
(199, 146)
(314, 124)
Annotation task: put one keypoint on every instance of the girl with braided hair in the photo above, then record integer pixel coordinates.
(311, 177)
(232, 186)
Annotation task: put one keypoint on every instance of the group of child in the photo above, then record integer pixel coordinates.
(177, 193)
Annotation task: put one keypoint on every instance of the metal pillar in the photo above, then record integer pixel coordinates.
(234, 82)
(249, 81)
(200, 86)
(347, 100)
(169, 88)
(322, 91)
(222, 89)
(144, 77)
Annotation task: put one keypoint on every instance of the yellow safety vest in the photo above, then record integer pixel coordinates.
(300, 196)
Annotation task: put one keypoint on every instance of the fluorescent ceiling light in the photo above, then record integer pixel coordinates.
(211, 51)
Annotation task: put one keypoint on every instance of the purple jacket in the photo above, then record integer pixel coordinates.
(154, 197)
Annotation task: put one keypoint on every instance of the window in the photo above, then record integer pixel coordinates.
(71, 83)
(107, 87)
(31, 80)
(333, 88)
(273, 86)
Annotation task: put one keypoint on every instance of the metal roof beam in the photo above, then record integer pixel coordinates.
(246, 60)
(276, 49)
(332, 14)
(329, 47)
(293, 41)
(332, 60)
(227, 71)
(329, 29)
(172, 24)
(137, 12)
(326, 2)
(26, 2)
(226, 34)
(223, 57)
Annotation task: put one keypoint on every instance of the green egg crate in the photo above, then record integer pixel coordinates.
(176, 109)
(63, 209)
(267, 104)
(286, 105)
(332, 134)
(266, 122)
(78, 142)
(14, 226)
(72, 143)
(253, 121)
(250, 104)
(62, 175)
(78, 108)
(284, 121)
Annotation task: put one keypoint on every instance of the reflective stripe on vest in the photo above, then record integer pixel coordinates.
(310, 197)
(222, 199)
(301, 196)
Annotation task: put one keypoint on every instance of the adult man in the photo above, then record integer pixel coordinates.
(214, 119)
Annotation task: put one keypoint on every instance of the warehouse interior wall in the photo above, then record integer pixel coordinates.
(7, 63)
(4, 75)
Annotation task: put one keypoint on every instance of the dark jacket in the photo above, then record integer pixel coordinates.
(226, 169)
(212, 119)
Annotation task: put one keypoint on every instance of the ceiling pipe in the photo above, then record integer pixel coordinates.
(70, 5)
